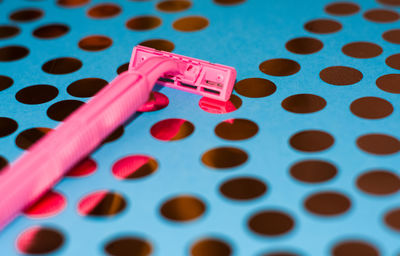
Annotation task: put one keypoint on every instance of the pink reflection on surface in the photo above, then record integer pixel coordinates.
(220, 107)
(134, 167)
(87, 204)
(27, 239)
(48, 205)
(84, 168)
(172, 129)
(156, 101)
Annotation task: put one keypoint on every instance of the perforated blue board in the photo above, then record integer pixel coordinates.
(242, 36)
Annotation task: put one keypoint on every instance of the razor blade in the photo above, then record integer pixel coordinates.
(210, 80)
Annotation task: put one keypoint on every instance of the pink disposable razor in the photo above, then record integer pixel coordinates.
(46, 162)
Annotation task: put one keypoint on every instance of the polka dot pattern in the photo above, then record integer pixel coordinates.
(282, 141)
(7, 126)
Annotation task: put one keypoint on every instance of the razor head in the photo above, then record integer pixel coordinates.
(213, 81)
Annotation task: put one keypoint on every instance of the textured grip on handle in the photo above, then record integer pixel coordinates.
(38, 169)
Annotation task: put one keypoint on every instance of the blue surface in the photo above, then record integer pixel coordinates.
(242, 36)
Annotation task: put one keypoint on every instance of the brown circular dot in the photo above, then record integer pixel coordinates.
(255, 87)
(243, 188)
(124, 67)
(311, 141)
(62, 109)
(86, 87)
(51, 31)
(378, 182)
(304, 45)
(340, 75)
(313, 171)
(174, 5)
(37, 94)
(342, 8)
(134, 167)
(7, 126)
(7, 31)
(172, 129)
(72, 3)
(224, 157)
(281, 253)
(29, 137)
(190, 23)
(327, 203)
(13, 52)
(371, 108)
(279, 67)
(102, 203)
(5, 82)
(229, 2)
(389, 83)
(362, 50)
(303, 103)
(62, 66)
(3, 163)
(354, 247)
(210, 247)
(143, 23)
(183, 208)
(393, 61)
(378, 144)
(103, 11)
(390, 2)
(381, 15)
(95, 43)
(159, 44)
(271, 223)
(392, 219)
(392, 36)
(26, 15)
(115, 135)
(39, 240)
(129, 245)
(323, 26)
(236, 129)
